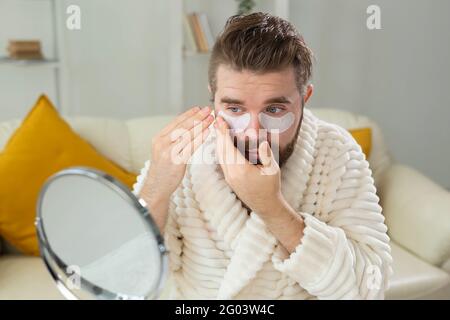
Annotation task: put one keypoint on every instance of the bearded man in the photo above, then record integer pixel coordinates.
(256, 197)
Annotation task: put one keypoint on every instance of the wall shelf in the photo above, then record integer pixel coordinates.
(52, 61)
(6, 61)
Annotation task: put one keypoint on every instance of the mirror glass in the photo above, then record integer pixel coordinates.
(97, 239)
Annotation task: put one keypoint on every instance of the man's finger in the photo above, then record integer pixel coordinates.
(228, 153)
(189, 150)
(265, 154)
(221, 124)
(190, 135)
(220, 144)
(268, 164)
(188, 124)
(173, 124)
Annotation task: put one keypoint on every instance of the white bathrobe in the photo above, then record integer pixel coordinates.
(219, 251)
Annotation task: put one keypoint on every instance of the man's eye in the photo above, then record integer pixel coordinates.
(274, 109)
(234, 109)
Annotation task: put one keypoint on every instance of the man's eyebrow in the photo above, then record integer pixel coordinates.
(280, 99)
(231, 100)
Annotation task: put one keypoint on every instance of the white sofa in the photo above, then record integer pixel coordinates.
(417, 210)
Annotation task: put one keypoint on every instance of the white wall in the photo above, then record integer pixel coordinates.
(119, 60)
(20, 86)
(117, 65)
(398, 75)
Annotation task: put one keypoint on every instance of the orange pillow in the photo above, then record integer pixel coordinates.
(363, 137)
(43, 145)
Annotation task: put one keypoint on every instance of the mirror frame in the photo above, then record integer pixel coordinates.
(52, 261)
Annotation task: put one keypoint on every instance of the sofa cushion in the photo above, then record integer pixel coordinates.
(141, 131)
(413, 278)
(363, 136)
(110, 137)
(26, 278)
(380, 158)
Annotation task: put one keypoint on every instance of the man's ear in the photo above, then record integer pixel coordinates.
(209, 89)
(309, 92)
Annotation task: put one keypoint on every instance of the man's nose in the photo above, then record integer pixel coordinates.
(252, 131)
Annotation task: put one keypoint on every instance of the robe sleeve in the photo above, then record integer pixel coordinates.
(344, 254)
(172, 234)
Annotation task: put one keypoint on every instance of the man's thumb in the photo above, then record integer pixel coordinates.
(265, 154)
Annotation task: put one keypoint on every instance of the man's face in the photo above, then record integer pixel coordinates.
(271, 96)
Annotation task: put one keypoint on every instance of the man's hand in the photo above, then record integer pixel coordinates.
(258, 186)
(172, 147)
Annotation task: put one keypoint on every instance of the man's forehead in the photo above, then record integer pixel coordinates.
(274, 82)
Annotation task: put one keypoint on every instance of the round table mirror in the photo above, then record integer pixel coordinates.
(97, 239)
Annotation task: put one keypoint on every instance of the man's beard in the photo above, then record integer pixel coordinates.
(284, 154)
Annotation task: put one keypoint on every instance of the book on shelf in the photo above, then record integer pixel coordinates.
(199, 36)
(26, 56)
(204, 24)
(24, 49)
(24, 45)
(190, 43)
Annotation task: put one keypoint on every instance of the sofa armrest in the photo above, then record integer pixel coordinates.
(417, 212)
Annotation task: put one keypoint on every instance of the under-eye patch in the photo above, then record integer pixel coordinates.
(268, 122)
(236, 123)
(280, 124)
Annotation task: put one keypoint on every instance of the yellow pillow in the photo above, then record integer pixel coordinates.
(363, 137)
(43, 145)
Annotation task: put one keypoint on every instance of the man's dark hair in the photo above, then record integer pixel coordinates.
(260, 42)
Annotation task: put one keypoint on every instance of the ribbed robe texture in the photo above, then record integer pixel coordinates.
(219, 251)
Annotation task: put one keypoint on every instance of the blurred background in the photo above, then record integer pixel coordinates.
(119, 70)
(133, 58)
